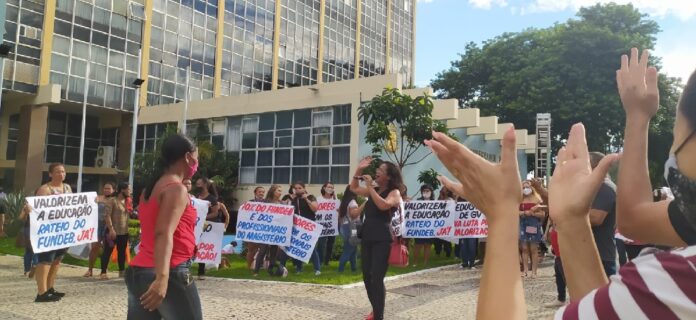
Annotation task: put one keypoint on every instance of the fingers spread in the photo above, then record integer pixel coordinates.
(624, 62)
(644, 58)
(634, 58)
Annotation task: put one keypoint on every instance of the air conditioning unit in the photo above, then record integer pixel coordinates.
(105, 157)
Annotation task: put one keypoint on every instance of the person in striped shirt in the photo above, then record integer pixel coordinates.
(656, 285)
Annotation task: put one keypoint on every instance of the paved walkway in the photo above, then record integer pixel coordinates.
(449, 293)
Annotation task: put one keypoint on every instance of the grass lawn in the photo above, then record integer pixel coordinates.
(7, 246)
(238, 269)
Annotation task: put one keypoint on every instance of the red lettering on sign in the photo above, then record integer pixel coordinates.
(327, 206)
(304, 224)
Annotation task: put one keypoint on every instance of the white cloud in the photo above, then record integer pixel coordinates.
(683, 9)
(487, 4)
(677, 61)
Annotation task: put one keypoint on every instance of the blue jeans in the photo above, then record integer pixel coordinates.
(609, 268)
(560, 279)
(350, 252)
(181, 302)
(30, 259)
(468, 248)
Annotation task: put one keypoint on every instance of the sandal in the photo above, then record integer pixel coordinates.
(103, 276)
(370, 316)
(88, 274)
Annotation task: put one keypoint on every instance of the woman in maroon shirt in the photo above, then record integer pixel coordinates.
(159, 278)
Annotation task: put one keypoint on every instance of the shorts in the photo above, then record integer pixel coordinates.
(423, 240)
(50, 256)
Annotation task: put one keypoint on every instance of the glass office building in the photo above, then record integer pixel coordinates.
(68, 52)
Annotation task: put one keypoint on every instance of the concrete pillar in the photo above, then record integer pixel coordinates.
(124, 141)
(33, 123)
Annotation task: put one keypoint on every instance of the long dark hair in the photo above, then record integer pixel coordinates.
(348, 196)
(687, 102)
(210, 186)
(121, 186)
(174, 148)
(396, 181)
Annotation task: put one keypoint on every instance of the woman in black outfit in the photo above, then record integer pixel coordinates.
(383, 198)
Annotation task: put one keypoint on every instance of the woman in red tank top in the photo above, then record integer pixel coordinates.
(159, 280)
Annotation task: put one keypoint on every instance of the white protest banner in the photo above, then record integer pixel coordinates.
(202, 208)
(397, 221)
(210, 246)
(327, 216)
(265, 223)
(469, 222)
(62, 221)
(428, 219)
(305, 234)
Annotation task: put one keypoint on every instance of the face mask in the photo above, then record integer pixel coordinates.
(682, 187)
(527, 191)
(427, 195)
(329, 190)
(192, 170)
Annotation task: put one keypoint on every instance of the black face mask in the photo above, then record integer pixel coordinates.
(683, 187)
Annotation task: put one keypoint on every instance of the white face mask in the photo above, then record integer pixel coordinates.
(329, 190)
(427, 194)
(527, 191)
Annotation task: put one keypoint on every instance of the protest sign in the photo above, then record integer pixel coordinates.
(62, 221)
(327, 216)
(210, 246)
(397, 221)
(202, 208)
(469, 222)
(305, 234)
(428, 219)
(265, 223)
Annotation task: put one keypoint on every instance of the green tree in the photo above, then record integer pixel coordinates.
(429, 177)
(568, 70)
(397, 124)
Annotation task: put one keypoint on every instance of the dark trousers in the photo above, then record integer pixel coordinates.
(120, 244)
(609, 268)
(327, 253)
(375, 261)
(632, 251)
(181, 301)
(621, 250)
(272, 252)
(441, 245)
(560, 279)
(468, 248)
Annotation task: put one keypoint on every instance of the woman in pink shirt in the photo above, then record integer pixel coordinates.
(159, 279)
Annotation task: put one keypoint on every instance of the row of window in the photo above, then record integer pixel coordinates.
(23, 30)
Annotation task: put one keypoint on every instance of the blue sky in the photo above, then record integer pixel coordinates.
(445, 26)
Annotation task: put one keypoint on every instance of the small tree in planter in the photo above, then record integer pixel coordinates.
(429, 177)
(397, 125)
(12, 206)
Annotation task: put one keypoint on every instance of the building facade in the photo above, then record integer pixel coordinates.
(66, 53)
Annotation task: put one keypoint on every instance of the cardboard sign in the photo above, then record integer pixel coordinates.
(469, 222)
(428, 219)
(327, 216)
(63, 220)
(202, 208)
(305, 234)
(210, 246)
(397, 221)
(265, 223)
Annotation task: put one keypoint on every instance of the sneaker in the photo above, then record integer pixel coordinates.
(56, 293)
(317, 273)
(555, 304)
(46, 297)
(285, 273)
(472, 267)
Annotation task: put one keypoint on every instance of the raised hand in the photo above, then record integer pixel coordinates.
(492, 188)
(574, 184)
(364, 163)
(638, 86)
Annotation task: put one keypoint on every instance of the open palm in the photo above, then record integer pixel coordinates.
(574, 184)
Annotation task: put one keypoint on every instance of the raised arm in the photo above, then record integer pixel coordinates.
(637, 216)
(173, 201)
(355, 183)
(573, 175)
(494, 189)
